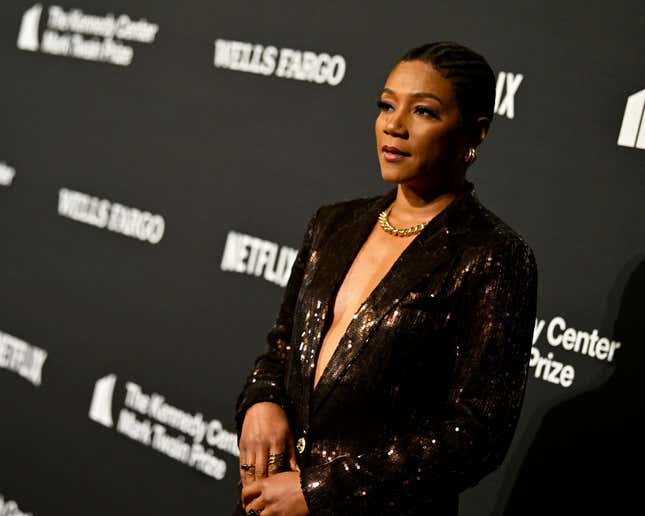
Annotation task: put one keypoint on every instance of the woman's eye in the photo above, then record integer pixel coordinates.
(426, 111)
(383, 106)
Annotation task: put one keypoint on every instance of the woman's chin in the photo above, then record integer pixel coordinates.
(394, 177)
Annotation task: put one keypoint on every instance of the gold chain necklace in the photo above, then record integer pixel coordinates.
(382, 218)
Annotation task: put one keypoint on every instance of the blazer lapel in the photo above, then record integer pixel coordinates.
(336, 255)
(425, 254)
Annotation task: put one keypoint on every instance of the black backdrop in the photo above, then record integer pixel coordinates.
(152, 197)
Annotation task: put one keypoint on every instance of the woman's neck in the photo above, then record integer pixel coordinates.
(412, 206)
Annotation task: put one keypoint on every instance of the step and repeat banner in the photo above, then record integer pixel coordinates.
(158, 164)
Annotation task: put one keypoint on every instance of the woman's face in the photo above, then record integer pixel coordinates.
(420, 139)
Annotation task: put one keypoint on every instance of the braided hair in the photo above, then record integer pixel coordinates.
(471, 76)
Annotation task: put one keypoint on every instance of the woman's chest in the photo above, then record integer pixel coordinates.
(369, 267)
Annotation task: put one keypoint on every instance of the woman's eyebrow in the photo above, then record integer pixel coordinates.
(421, 94)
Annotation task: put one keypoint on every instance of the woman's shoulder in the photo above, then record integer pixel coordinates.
(493, 236)
(346, 207)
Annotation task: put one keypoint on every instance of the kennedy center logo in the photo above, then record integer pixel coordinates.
(632, 130)
(28, 35)
(152, 421)
(90, 37)
(101, 407)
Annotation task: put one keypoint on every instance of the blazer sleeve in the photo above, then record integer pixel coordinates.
(436, 454)
(265, 382)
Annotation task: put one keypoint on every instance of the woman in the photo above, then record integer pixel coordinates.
(398, 361)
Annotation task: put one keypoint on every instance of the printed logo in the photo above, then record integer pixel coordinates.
(6, 174)
(507, 85)
(286, 63)
(84, 36)
(102, 213)
(22, 358)
(152, 421)
(10, 508)
(101, 406)
(559, 335)
(251, 255)
(28, 35)
(632, 130)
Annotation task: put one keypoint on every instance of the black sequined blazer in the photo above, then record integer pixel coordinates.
(421, 397)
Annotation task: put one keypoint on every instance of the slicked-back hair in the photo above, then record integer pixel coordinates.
(472, 78)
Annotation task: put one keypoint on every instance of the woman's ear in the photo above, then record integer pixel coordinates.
(483, 124)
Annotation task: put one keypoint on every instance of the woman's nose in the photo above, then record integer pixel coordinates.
(395, 126)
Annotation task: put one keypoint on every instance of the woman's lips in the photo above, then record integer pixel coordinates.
(393, 154)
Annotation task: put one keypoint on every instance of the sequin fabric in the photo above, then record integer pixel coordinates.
(421, 397)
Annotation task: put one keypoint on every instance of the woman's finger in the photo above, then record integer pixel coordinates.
(291, 456)
(261, 458)
(277, 461)
(252, 496)
(257, 506)
(247, 474)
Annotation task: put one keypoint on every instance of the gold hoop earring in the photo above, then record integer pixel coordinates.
(471, 155)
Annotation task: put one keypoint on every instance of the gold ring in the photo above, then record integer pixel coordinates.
(276, 458)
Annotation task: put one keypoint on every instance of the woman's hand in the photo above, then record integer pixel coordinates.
(265, 432)
(277, 495)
